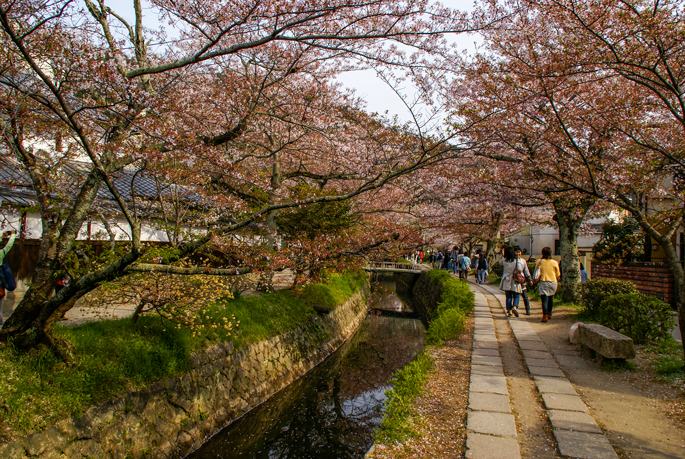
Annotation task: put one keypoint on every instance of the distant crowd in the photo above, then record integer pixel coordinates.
(516, 277)
(457, 261)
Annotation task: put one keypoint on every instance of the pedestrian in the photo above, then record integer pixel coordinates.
(522, 266)
(511, 281)
(476, 261)
(482, 269)
(440, 259)
(583, 274)
(465, 263)
(456, 258)
(549, 276)
(12, 235)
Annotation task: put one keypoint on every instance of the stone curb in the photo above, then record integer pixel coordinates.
(491, 428)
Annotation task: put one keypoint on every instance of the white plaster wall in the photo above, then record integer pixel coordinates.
(119, 226)
(9, 221)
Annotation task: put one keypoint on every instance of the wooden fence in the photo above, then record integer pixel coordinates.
(656, 280)
(23, 258)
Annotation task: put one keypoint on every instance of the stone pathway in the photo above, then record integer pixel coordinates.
(576, 432)
(491, 425)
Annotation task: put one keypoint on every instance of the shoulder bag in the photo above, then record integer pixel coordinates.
(536, 273)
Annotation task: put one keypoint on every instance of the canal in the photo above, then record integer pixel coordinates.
(332, 411)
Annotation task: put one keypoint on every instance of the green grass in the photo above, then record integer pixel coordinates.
(618, 365)
(338, 289)
(493, 279)
(668, 361)
(408, 384)
(533, 293)
(112, 357)
(109, 358)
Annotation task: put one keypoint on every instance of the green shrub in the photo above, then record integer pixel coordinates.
(457, 299)
(446, 326)
(620, 242)
(641, 317)
(595, 291)
(407, 384)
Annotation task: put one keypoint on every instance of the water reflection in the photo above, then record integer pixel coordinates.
(384, 296)
(330, 413)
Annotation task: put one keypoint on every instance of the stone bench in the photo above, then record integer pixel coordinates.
(605, 341)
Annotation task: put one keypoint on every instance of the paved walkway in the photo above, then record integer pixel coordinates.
(491, 426)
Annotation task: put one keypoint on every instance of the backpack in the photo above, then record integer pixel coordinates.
(519, 277)
(482, 264)
(465, 263)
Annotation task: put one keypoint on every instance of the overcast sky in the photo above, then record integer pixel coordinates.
(378, 95)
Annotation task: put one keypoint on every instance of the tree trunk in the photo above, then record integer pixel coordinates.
(136, 314)
(30, 325)
(647, 255)
(671, 254)
(678, 279)
(570, 220)
(493, 236)
(490, 251)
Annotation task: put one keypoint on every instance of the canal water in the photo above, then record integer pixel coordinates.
(332, 411)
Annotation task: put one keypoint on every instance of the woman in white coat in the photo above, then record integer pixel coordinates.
(510, 285)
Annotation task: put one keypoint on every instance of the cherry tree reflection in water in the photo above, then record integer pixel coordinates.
(330, 413)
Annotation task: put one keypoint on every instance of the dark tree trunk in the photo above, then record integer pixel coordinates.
(490, 251)
(647, 256)
(30, 325)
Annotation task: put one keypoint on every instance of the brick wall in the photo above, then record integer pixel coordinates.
(655, 280)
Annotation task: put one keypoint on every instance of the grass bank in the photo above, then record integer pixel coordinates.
(112, 357)
(399, 419)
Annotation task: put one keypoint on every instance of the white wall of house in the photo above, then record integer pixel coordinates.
(119, 226)
(534, 238)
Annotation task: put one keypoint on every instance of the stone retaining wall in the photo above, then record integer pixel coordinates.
(426, 294)
(171, 418)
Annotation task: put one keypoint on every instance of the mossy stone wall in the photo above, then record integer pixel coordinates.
(169, 419)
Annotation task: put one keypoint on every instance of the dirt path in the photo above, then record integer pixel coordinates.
(535, 436)
(629, 406)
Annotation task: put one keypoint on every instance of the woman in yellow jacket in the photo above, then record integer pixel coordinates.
(549, 276)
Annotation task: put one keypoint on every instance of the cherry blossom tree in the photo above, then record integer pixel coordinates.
(231, 102)
(588, 95)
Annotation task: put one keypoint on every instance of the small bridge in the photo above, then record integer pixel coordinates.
(393, 267)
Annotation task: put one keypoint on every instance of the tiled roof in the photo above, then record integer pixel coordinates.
(16, 186)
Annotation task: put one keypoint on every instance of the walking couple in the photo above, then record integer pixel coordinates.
(516, 275)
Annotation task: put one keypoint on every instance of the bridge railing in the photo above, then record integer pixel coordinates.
(393, 266)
